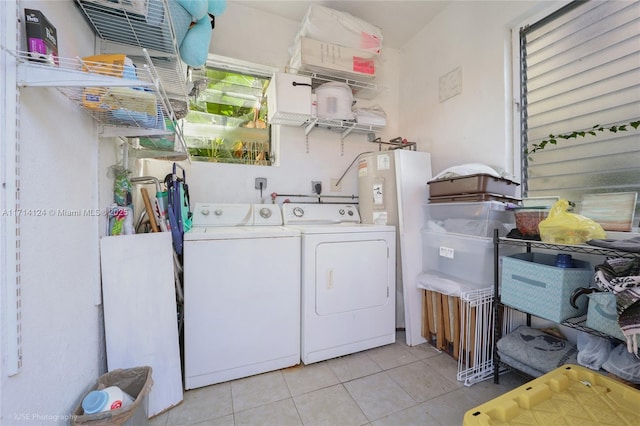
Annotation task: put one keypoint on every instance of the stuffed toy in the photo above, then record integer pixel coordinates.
(194, 46)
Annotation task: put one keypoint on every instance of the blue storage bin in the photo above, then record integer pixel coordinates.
(602, 315)
(532, 283)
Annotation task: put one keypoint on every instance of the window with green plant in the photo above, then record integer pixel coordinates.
(226, 122)
(580, 101)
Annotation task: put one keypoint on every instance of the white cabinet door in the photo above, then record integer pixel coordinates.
(140, 315)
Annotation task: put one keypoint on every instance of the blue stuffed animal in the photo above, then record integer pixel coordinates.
(194, 46)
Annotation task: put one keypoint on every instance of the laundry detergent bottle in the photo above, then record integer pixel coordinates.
(110, 398)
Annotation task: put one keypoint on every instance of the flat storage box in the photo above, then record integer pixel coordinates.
(568, 395)
(466, 198)
(460, 256)
(289, 99)
(531, 283)
(478, 219)
(602, 315)
(332, 59)
(472, 184)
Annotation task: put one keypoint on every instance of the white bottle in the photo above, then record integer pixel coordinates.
(110, 398)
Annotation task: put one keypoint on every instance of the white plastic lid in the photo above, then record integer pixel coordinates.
(94, 402)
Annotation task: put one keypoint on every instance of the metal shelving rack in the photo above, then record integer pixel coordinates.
(132, 108)
(360, 89)
(577, 323)
(145, 33)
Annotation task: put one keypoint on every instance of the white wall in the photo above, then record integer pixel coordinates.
(62, 332)
(475, 125)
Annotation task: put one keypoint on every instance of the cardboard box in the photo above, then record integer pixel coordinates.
(531, 283)
(42, 37)
(441, 321)
(320, 57)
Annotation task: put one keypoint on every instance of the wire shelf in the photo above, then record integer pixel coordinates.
(361, 89)
(576, 248)
(128, 27)
(124, 101)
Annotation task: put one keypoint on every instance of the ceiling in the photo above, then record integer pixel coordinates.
(399, 20)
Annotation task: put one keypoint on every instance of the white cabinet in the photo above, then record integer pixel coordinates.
(140, 315)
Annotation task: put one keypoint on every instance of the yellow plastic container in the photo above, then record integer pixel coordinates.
(568, 395)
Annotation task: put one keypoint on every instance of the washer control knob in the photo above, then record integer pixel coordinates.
(265, 213)
(205, 212)
(298, 212)
(218, 212)
(341, 211)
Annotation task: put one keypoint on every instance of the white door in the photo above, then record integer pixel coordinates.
(350, 276)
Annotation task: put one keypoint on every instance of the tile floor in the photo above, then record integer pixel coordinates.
(390, 385)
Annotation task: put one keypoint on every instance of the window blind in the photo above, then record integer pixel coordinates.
(580, 67)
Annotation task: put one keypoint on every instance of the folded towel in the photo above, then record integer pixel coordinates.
(621, 276)
(537, 349)
(631, 244)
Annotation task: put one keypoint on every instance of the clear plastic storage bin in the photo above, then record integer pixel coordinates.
(464, 257)
(475, 219)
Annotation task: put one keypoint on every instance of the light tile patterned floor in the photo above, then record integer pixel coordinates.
(392, 385)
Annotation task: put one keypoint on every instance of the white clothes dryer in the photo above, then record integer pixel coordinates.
(241, 293)
(348, 280)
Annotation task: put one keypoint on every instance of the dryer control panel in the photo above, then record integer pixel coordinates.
(319, 214)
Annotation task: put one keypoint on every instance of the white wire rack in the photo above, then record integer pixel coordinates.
(129, 26)
(475, 363)
(125, 102)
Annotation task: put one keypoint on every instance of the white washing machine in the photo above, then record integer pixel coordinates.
(348, 280)
(241, 293)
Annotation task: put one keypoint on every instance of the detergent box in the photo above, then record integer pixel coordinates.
(42, 38)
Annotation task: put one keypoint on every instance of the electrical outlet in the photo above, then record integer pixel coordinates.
(446, 252)
(335, 186)
(314, 189)
(262, 181)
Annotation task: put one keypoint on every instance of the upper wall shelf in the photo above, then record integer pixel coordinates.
(123, 107)
(361, 89)
(130, 27)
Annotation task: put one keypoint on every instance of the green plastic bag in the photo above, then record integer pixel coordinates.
(563, 227)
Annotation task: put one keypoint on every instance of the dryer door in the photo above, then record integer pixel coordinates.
(351, 276)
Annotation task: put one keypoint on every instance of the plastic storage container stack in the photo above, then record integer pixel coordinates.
(336, 43)
(457, 260)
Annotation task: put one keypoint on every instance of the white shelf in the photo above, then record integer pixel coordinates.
(361, 89)
(128, 108)
(341, 126)
(129, 30)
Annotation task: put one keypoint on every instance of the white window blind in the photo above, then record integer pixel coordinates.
(580, 67)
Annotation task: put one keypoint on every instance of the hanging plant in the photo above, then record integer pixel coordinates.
(553, 139)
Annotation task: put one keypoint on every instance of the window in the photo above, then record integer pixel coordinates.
(226, 122)
(580, 67)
